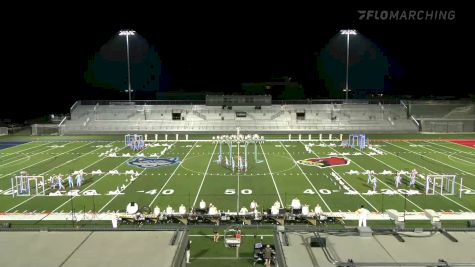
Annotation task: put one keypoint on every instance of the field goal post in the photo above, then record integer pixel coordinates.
(442, 184)
(24, 184)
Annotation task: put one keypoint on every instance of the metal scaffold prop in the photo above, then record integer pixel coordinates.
(134, 142)
(357, 141)
(240, 161)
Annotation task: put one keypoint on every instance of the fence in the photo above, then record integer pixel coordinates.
(3, 131)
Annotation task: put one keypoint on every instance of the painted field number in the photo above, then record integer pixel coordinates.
(322, 191)
(233, 191)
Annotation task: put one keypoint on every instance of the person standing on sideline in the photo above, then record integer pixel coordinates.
(362, 216)
(188, 253)
(216, 232)
(268, 255)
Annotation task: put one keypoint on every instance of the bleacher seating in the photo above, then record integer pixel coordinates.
(91, 118)
(444, 116)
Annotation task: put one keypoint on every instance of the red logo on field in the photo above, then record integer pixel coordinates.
(469, 143)
(325, 162)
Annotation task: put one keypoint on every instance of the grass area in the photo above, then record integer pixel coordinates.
(205, 252)
(196, 176)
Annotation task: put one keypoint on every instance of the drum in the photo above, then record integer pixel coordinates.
(132, 208)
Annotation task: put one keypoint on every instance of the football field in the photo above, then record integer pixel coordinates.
(186, 172)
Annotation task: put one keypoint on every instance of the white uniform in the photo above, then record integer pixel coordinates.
(296, 203)
(253, 205)
(375, 181)
(363, 215)
(397, 180)
(202, 204)
(60, 182)
(78, 180)
(428, 182)
(70, 181)
(370, 176)
(413, 178)
(51, 182)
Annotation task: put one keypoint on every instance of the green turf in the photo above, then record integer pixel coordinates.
(192, 180)
(205, 252)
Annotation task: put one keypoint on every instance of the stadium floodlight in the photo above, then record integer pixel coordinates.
(347, 32)
(127, 33)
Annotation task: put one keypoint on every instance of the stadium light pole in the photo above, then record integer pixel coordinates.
(347, 33)
(127, 33)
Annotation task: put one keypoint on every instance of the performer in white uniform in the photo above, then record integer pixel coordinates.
(362, 216)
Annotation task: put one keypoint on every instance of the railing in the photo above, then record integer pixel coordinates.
(73, 107)
(276, 115)
(142, 102)
(198, 114)
(279, 251)
(203, 102)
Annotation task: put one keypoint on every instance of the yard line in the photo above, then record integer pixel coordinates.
(465, 152)
(341, 177)
(433, 159)
(102, 177)
(179, 165)
(1, 177)
(50, 188)
(421, 166)
(11, 153)
(418, 181)
(238, 190)
(450, 155)
(390, 187)
(127, 185)
(204, 177)
(460, 145)
(22, 158)
(306, 177)
(271, 175)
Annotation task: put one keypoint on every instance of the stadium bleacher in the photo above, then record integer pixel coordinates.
(91, 117)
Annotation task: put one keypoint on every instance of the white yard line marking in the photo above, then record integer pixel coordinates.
(272, 175)
(460, 145)
(48, 189)
(110, 200)
(390, 187)
(341, 177)
(452, 148)
(173, 173)
(204, 176)
(125, 185)
(449, 155)
(466, 172)
(419, 165)
(306, 177)
(16, 152)
(238, 190)
(418, 181)
(1, 177)
(34, 154)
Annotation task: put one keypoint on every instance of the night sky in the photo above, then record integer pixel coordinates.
(50, 55)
